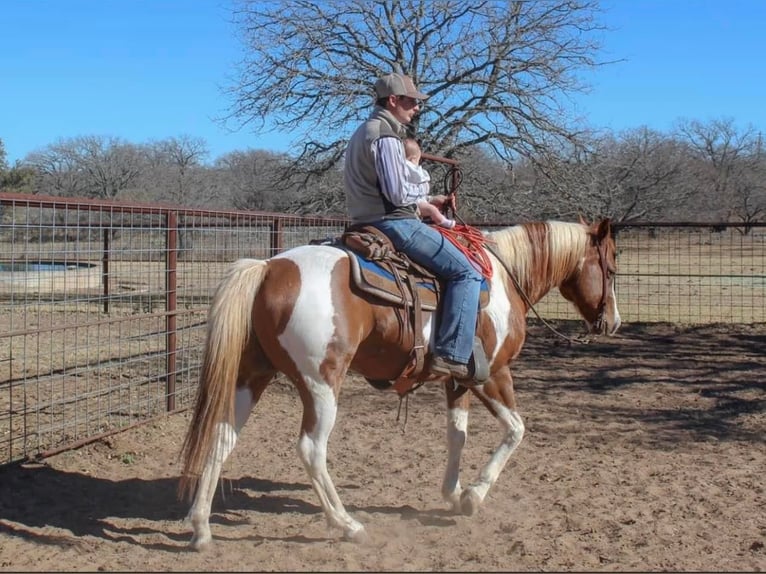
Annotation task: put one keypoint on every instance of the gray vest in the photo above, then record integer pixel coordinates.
(364, 201)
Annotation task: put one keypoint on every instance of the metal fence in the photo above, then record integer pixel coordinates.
(692, 273)
(103, 305)
(102, 310)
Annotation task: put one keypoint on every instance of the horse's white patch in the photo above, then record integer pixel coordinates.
(499, 310)
(457, 419)
(311, 328)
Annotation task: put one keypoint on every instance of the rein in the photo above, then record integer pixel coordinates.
(525, 298)
(471, 236)
(601, 249)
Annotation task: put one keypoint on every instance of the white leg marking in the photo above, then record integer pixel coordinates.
(305, 339)
(457, 434)
(312, 450)
(223, 443)
(474, 495)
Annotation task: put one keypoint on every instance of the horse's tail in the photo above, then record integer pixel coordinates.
(228, 329)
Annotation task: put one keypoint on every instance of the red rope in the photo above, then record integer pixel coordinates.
(470, 241)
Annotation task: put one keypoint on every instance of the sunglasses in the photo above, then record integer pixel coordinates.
(412, 102)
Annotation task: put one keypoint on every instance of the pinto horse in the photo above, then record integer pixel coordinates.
(298, 313)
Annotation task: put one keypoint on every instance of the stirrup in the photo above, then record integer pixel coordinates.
(478, 364)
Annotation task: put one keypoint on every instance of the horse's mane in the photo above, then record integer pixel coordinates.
(544, 252)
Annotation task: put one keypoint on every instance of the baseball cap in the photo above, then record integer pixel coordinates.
(397, 85)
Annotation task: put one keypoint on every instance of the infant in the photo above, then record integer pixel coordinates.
(417, 175)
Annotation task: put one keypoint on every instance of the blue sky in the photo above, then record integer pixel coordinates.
(145, 70)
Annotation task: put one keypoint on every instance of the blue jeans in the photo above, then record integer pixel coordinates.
(459, 307)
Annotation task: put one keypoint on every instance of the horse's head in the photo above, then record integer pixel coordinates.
(591, 287)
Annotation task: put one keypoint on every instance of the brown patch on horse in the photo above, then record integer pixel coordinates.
(384, 329)
(499, 389)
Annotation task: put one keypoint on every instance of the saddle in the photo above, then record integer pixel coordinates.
(381, 271)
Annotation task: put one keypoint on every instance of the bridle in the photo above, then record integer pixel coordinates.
(454, 176)
(599, 324)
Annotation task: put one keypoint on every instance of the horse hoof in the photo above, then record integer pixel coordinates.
(469, 502)
(358, 535)
(201, 543)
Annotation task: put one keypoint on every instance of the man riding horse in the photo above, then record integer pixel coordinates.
(378, 194)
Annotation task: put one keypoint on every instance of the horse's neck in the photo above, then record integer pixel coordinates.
(540, 256)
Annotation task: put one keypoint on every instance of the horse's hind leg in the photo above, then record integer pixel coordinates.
(223, 444)
(498, 397)
(320, 408)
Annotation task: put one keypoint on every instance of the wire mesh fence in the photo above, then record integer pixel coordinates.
(692, 273)
(103, 305)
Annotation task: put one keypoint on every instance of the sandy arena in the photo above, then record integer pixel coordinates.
(646, 451)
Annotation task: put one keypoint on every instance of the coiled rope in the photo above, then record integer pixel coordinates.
(469, 240)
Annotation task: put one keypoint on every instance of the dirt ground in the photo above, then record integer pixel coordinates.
(643, 452)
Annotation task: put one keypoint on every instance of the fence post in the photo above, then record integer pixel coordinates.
(105, 270)
(276, 237)
(171, 268)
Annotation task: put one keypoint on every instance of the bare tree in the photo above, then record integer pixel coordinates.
(487, 189)
(256, 179)
(89, 166)
(728, 162)
(15, 179)
(109, 164)
(636, 175)
(321, 192)
(58, 170)
(177, 173)
(497, 72)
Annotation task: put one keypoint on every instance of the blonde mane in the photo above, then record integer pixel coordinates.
(541, 254)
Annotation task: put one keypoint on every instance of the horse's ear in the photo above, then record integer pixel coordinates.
(604, 229)
(582, 219)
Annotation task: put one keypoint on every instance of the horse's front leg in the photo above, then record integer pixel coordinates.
(497, 395)
(458, 401)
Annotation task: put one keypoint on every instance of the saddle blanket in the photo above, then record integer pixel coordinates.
(374, 278)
